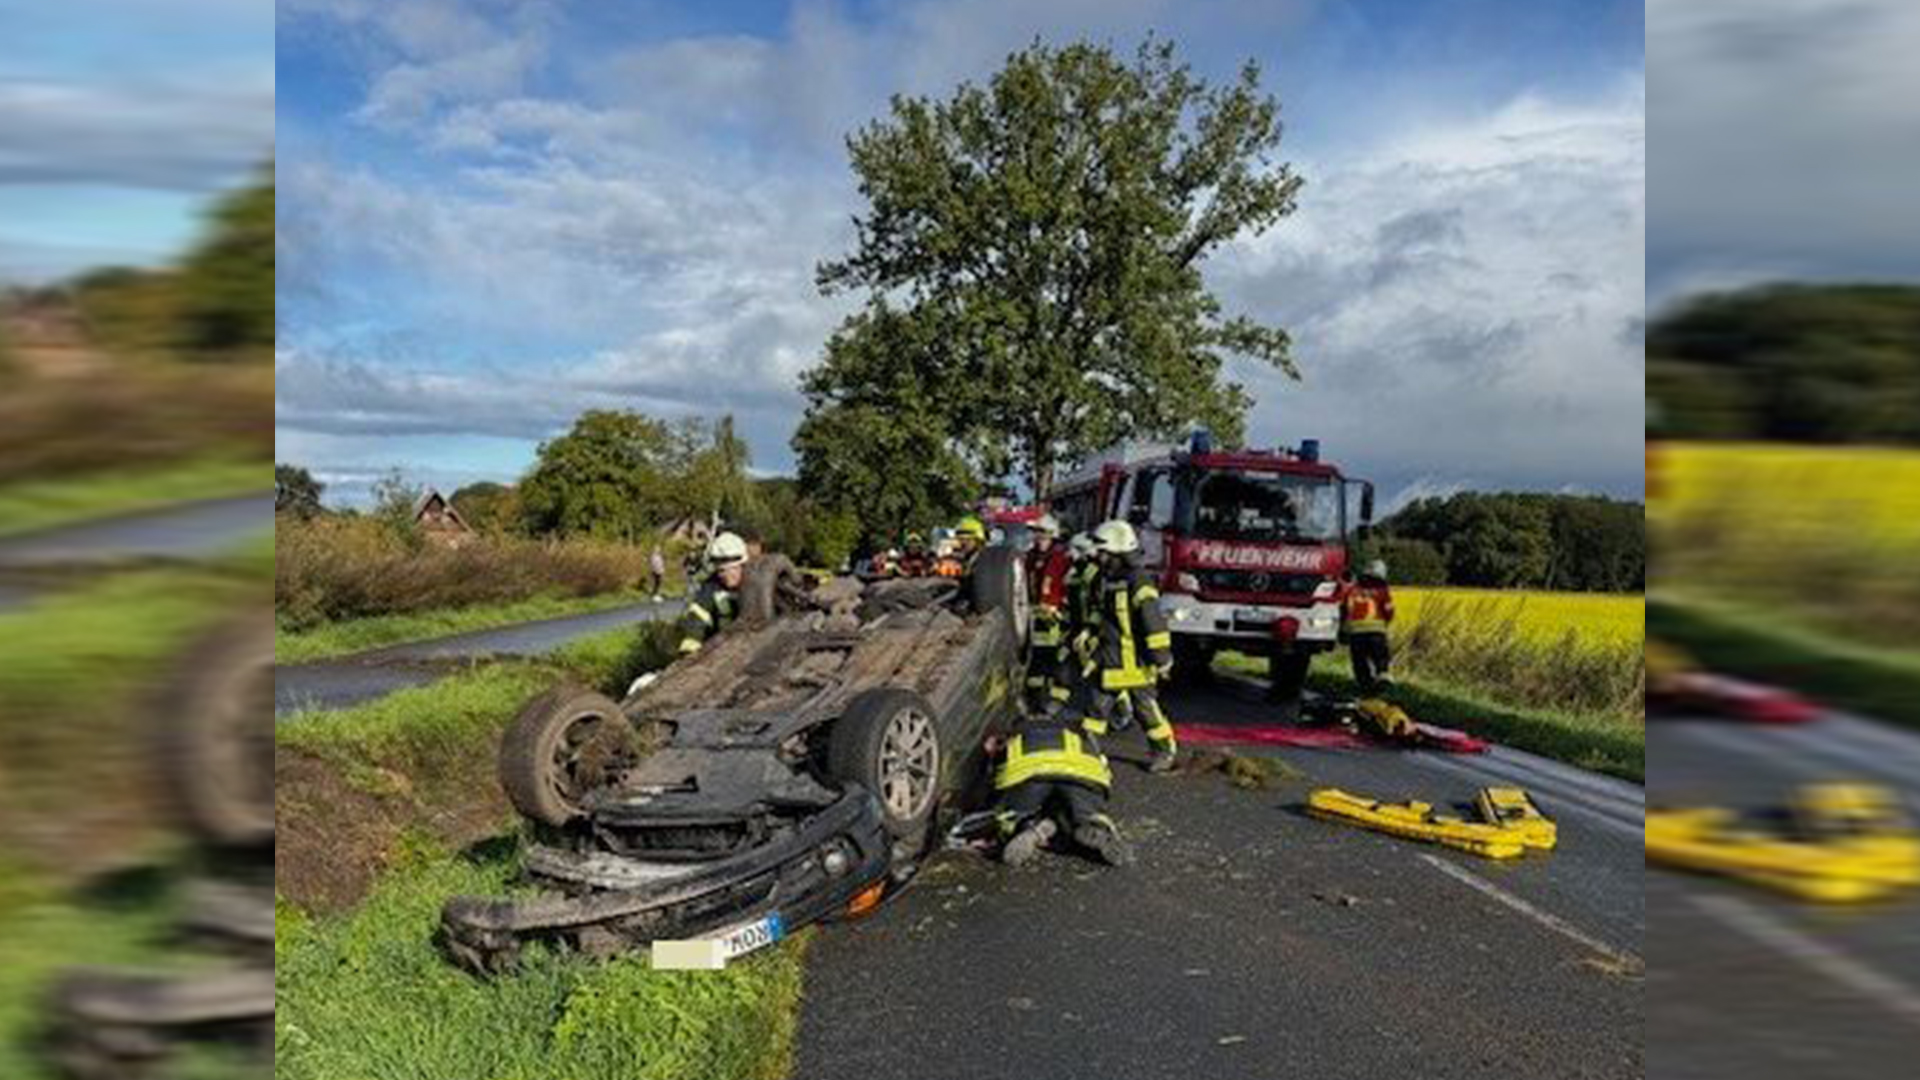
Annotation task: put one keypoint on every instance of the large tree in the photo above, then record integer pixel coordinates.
(226, 284)
(296, 492)
(1032, 251)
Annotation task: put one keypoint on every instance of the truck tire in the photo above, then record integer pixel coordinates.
(216, 735)
(1192, 661)
(564, 744)
(888, 743)
(1287, 681)
(999, 583)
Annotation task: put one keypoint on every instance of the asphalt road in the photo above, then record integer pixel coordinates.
(1251, 941)
(353, 680)
(189, 530)
(36, 563)
(1752, 986)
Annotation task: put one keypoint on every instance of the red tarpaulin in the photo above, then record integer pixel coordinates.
(1323, 737)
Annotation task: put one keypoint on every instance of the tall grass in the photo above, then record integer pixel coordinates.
(1488, 645)
(336, 568)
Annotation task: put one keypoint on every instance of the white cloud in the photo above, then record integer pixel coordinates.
(194, 133)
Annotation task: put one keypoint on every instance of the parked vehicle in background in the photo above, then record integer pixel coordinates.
(1247, 546)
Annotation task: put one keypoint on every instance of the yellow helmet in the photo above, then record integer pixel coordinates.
(970, 528)
(1116, 537)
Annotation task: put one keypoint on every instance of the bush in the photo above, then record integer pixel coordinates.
(347, 567)
(1485, 645)
(137, 417)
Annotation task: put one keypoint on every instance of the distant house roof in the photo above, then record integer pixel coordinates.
(433, 511)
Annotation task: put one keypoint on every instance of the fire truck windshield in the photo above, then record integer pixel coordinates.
(1243, 504)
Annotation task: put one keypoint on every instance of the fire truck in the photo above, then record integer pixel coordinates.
(1248, 547)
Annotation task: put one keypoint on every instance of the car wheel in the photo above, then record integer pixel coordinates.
(887, 742)
(216, 749)
(999, 583)
(564, 744)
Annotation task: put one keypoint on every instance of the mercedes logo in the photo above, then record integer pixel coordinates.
(1258, 582)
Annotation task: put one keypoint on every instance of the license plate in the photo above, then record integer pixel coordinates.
(1253, 616)
(741, 940)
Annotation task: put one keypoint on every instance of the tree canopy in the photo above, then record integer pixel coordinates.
(1030, 260)
(1821, 363)
(1573, 543)
(296, 492)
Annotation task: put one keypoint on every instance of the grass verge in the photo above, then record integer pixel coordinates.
(47, 504)
(1749, 642)
(1603, 742)
(331, 640)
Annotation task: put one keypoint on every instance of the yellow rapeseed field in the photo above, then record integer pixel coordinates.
(1543, 617)
(1749, 498)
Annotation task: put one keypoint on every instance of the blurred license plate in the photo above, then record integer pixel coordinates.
(1254, 616)
(741, 940)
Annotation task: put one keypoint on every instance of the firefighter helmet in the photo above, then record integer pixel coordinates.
(1047, 525)
(1082, 545)
(1116, 537)
(1377, 568)
(970, 528)
(726, 549)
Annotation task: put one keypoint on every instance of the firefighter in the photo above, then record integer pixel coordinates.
(1366, 610)
(913, 561)
(717, 601)
(1125, 647)
(969, 536)
(1048, 564)
(1051, 776)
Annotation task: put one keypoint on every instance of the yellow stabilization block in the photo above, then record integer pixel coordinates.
(1416, 821)
(1841, 869)
(1512, 809)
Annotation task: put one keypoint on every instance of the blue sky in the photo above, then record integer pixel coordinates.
(121, 119)
(497, 213)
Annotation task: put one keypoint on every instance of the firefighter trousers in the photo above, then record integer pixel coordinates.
(1046, 660)
(1071, 803)
(1372, 657)
(1109, 709)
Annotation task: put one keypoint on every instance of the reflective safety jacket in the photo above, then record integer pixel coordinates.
(1052, 752)
(1367, 608)
(709, 611)
(1129, 634)
(1081, 579)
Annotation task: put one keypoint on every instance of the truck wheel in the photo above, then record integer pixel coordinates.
(564, 744)
(1287, 681)
(999, 583)
(1192, 660)
(216, 749)
(888, 743)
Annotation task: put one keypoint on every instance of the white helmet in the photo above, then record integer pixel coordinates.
(1377, 568)
(1082, 545)
(725, 549)
(1115, 537)
(1047, 525)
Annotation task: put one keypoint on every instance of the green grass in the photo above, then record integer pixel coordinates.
(1760, 644)
(42, 935)
(359, 635)
(1603, 743)
(368, 995)
(47, 504)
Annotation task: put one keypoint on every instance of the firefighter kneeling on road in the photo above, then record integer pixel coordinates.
(1365, 613)
(1125, 648)
(717, 601)
(1053, 776)
(1048, 565)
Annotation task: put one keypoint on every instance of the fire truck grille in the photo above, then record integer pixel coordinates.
(1258, 581)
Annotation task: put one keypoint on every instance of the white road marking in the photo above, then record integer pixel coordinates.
(1545, 918)
(1884, 990)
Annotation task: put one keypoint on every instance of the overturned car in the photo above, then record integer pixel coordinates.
(792, 770)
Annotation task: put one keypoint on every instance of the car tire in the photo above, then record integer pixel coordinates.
(216, 738)
(563, 745)
(999, 583)
(888, 743)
